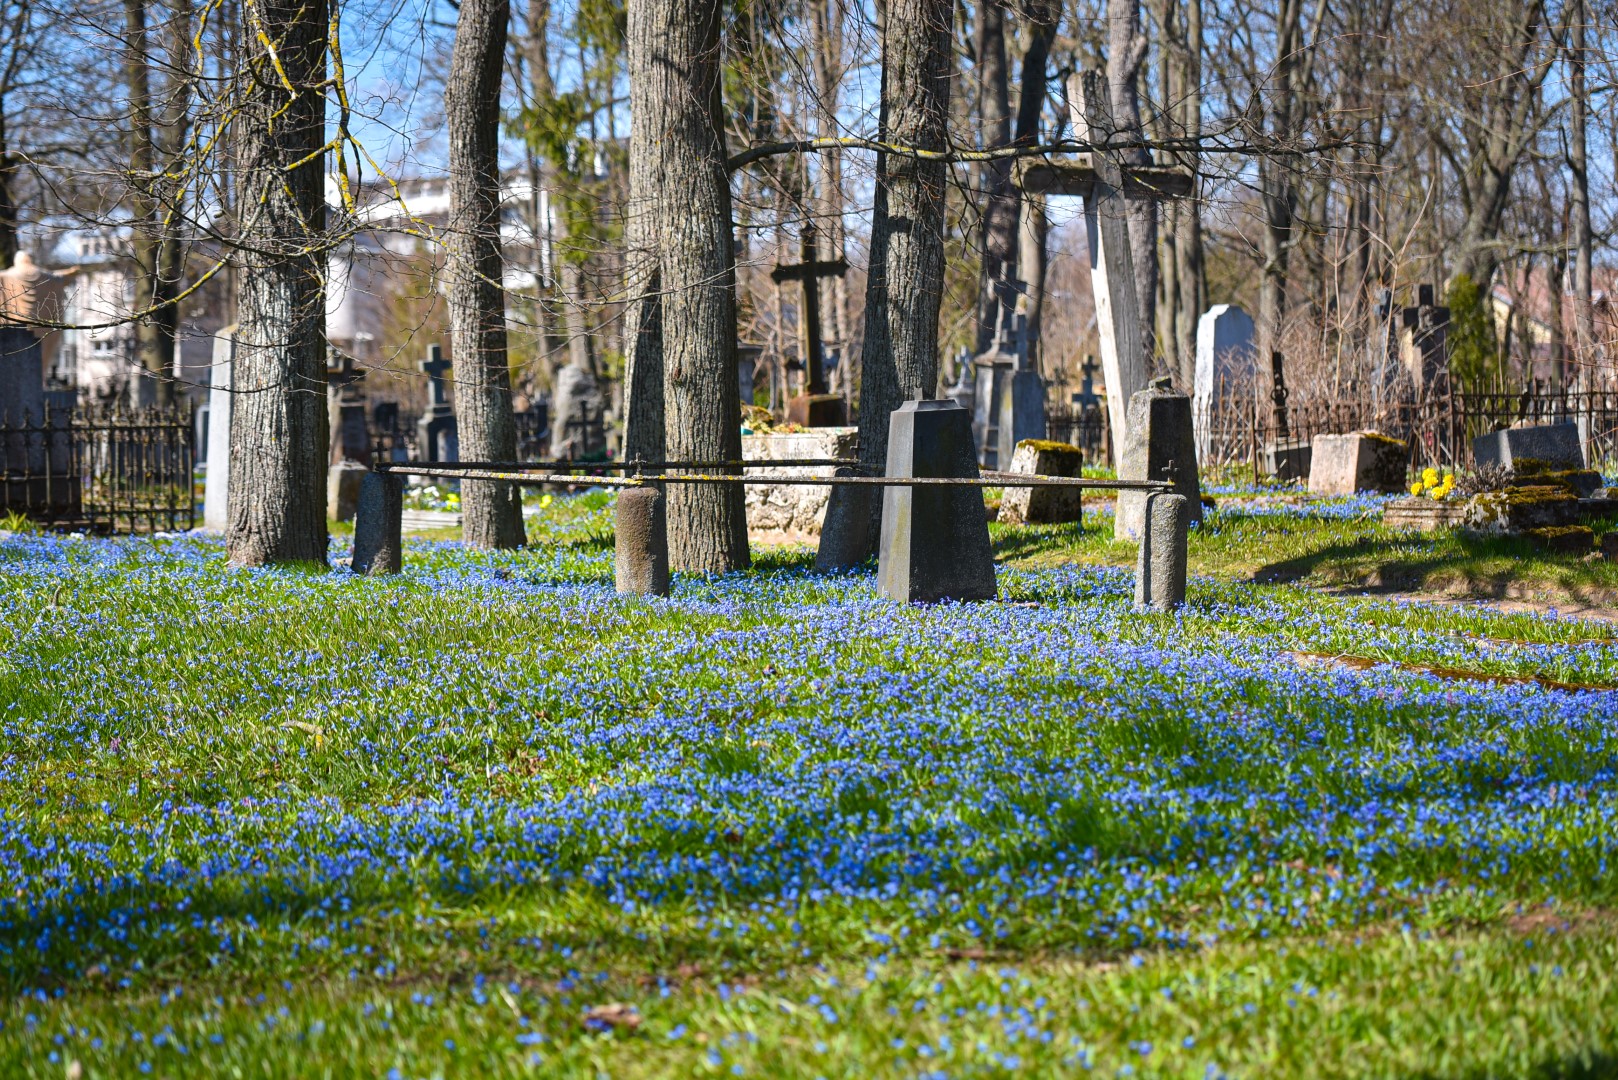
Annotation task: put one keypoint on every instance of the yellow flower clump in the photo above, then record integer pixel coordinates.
(1434, 486)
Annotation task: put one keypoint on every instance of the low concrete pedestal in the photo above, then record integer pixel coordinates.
(817, 411)
(343, 482)
(1042, 505)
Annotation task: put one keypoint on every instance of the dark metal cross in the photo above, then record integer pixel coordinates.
(809, 271)
(435, 367)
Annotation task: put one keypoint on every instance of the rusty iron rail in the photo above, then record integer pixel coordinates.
(991, 479)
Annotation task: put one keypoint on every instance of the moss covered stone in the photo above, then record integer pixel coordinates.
(1563, 539)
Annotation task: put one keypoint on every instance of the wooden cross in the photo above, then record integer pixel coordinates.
(809, 271)
(1106, 186)
(434, 367)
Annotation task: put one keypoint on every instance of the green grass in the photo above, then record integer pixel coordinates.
(300, 823)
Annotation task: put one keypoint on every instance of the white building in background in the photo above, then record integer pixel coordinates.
(96, 356)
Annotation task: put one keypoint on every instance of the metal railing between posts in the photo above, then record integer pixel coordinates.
(1160, 568)
(103, 471)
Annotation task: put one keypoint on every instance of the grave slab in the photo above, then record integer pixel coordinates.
(221, 404)
(1358, 461)
(792, 509)
(1554, 446)
(343, 483)
(935, 540)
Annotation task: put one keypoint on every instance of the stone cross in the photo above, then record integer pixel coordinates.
(1122, 337)
(810, 271)
(1424, 343)
(434, 367)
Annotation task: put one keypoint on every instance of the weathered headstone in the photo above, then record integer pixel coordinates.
(578, 432)
(1225, 366)
(350, 435)
(794, 510)
(1358, 461)
(1553, 446)
(1160, 445)
(221, 406)
(935, 539)
(1160, 563)
(343, 481)
(963, 393)
(1424, 344)
(22, 413)
(641, 544)
(437, 436)
(378, 526)
(1042, 505)
(1022, 409)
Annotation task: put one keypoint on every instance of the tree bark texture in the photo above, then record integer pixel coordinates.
(643, 307)
(278, 432)
(998, 225)
(491, 512)
(684, 183)
(154, 348)
(1579, 194)
(905, 282)
(1126, 51)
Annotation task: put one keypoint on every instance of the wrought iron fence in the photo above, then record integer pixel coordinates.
(104, 471)
(1439, 429)
(1085, 428)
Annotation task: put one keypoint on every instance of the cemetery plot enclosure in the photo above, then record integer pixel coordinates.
(1440, 429)
(102, 471)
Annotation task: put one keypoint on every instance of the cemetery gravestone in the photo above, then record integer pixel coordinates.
(1160, 445)
(350, 435)
(1042, 505)
(436, 432)
(221, 404)
(343, 482)
(1358, 461)
(935, 539)
(1555, 446)
(579, 428)
(1225, 366)
(816, 406)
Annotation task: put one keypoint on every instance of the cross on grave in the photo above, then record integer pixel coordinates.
(1107, 185)
(435, 367)
(1278, 394)
(1424, 344)
(1086, 397)
(436, 431)
(816, 406)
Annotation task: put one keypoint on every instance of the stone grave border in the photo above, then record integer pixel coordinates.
(641, 541)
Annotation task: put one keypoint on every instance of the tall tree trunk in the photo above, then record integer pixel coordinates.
(828, 56)
(1126, 51)
(1276, 190)
(278, 434)
(1579, 184)
(998, 224)
(905, 281)
(1033, 234)
(154, 349)
(643, 308)
(1190, 272)
(491, 511)
(674, 90)
(542, 95)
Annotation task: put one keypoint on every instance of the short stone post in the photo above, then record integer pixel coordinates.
(641, 542)
(935, 539)
(845, 535)
(378, 524)
(1160, 565)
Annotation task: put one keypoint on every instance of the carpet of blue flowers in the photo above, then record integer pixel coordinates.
(489, 818)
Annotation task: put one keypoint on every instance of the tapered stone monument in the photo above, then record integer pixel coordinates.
(935, 539)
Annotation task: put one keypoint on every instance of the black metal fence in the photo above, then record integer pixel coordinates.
(1439, 429)
(102, 471)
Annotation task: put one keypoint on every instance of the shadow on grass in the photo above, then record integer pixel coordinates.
(1594, 1065)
